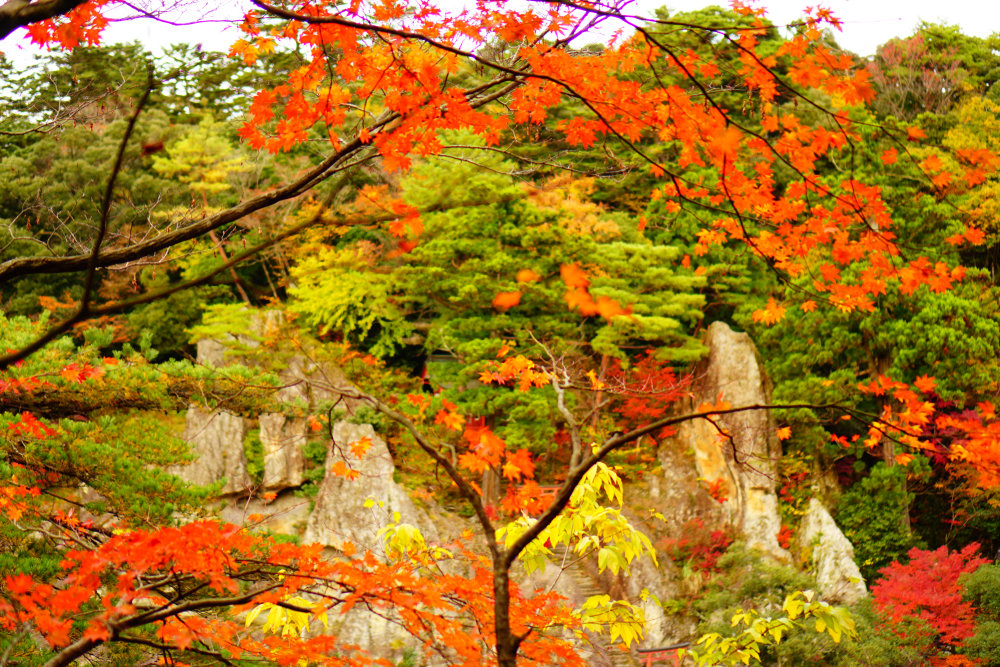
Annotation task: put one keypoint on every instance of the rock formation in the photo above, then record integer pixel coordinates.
(739, 452)
(343, 514)
(831, 555)
(283, 439)
(216, 439)
(340, 514)
(219, 445)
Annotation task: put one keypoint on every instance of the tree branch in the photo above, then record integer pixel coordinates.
(611, 444)
(16, 14)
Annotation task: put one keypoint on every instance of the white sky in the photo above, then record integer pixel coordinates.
(867, 23)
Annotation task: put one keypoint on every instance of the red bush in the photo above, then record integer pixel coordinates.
(927, 588)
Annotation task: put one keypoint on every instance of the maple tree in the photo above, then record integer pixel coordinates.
(387, 83)
(928, 588)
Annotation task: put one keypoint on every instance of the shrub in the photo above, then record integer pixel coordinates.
(928, 588)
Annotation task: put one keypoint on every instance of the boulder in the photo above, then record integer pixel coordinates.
(212, 353)
(313, 384)
(216, 438)
(340, 514)
(283, 439)
(831, 555)
(286, 514)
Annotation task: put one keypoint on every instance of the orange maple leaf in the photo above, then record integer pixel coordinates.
(518, 465)
(580, 299)
(975, 236)
(724, 144)
(608, 308)
(473, 462)
(528, 276)
(450, 419)
(360, 447)
(574, 276)
(925, 384)
(340, 469)
(769, 314)
(504, 301)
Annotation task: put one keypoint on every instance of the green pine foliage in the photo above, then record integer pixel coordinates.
(873, 516)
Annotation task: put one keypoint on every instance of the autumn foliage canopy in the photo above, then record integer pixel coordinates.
(390, 82)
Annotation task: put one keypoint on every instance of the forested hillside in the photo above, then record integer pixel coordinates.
(401, 336)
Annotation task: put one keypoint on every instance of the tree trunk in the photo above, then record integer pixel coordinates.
(507, 643)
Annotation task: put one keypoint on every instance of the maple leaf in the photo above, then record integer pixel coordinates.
(360, 447)
(450, 419)
(890, 156)
(932, 163)
(473, 462)
(725, 144)
(528, 276)
(19, 584)
(718, 405)
(573, 276)
(770, 314)
(580, 299)
(504, 301)
(418, 400)
(784, 433)
(608, 308)
(518, 465)
(925, 384)
(340, 469)
(489, 445)
(974, 235)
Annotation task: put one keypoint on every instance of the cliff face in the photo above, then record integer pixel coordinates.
(343, 512)
(736, 454)
(739, 451)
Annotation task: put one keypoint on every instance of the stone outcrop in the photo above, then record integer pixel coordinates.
(340, 514)
(211, 353)
(831, 555)
(306, 384)
(283, 439)
(285, 515)
(311, 383)
(742, 462)
(216, 440)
